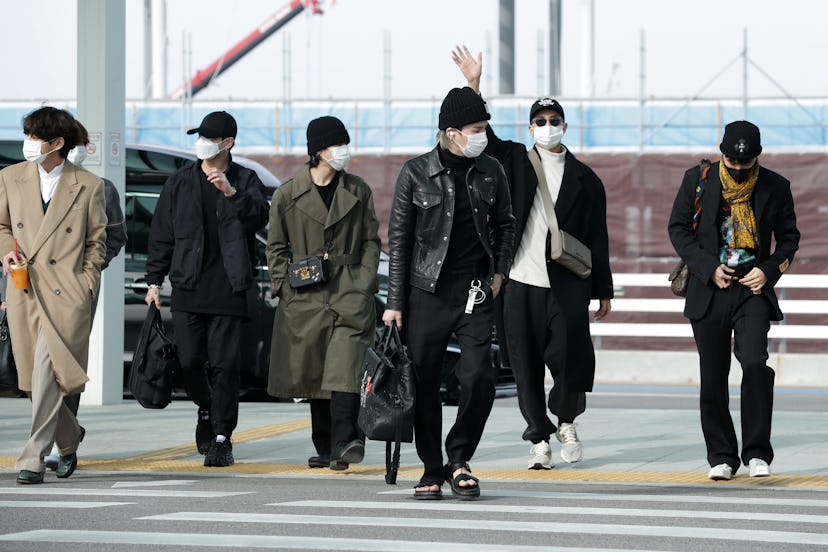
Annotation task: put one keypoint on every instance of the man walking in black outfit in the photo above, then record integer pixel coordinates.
(450, 237)
(722, 227)
(203, 237)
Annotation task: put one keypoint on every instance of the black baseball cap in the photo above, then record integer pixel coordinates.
(546, 103)
(741, 141)
(218, 124)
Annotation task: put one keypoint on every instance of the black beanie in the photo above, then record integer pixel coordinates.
(461, 107)
(741, 141)
(325, 132)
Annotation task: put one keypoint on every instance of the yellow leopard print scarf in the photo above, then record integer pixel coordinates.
(737, 195)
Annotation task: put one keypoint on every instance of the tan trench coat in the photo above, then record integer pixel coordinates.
(321, 333)
(65, 248)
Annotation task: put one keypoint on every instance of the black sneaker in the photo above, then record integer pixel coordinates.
(204, 432)
(220, 454)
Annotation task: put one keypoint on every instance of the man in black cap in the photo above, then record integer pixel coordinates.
(450, 237)
(722, 225)
(546, 306)
(203, 238)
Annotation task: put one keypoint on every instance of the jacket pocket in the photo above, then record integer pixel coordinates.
(487, 190)
(184, 264)
(426, 200)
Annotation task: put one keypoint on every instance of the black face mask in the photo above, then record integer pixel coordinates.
(739, 175)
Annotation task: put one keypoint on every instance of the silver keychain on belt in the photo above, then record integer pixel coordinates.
(476, 296)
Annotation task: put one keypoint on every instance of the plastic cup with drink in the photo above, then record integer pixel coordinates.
(19, 270)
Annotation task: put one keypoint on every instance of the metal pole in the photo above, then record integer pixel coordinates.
(286, 92)
(587, 49)
(642, 91)
(147, 49)
(507, 47)
(487, 56)
(386, 92)
(101, 83)
(554, 48)
(744, 75)
(539, 53)
(159, 49)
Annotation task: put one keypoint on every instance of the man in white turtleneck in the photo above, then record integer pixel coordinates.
(545, 319)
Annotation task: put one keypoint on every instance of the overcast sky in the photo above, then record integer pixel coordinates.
(340, 54)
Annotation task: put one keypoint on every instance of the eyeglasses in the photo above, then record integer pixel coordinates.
(554, 121)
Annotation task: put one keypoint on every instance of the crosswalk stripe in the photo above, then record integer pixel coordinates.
(116, 492)
(556, 510)
(259, 541)
(159, 483)
(713, 533)
(60, 505)
(679, 498)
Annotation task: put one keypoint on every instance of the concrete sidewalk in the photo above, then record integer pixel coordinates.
(630, 435)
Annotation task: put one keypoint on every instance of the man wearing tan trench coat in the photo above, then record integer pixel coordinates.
(60, 235)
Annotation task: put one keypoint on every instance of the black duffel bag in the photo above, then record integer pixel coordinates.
(154, 364)
(8, 369)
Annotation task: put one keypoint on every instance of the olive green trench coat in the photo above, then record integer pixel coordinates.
(65, 249)
(322, 332)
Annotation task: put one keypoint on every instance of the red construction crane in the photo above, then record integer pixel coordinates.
(203, 78)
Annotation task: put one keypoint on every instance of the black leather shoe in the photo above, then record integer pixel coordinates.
(204, 432)
(321, 461)
(26, 477)
(66, 465)
(354, 452)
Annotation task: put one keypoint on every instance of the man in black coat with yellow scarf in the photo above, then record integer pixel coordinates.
(722, 227)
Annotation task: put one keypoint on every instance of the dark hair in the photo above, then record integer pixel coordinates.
(314, 160)
(48, 123)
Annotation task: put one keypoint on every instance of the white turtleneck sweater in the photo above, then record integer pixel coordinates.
(529, 266)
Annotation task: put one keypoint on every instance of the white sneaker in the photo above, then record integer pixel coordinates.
(571, 449)
(540, 457)
(52, 460)
(722, 472)
(759, 468)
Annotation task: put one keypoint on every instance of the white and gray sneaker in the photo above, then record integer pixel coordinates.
(571, 449)
(722, 472)
(540, 457)
(758, 468)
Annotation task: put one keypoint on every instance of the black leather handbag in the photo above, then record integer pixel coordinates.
(387, 393)
(8, 369)
(154, 365)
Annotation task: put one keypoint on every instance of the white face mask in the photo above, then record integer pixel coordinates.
(475, 144)
(340, 155)
(206, 148)
(31, 150)
(77, 155)
(548, 136)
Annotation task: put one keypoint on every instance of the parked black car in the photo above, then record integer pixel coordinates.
(147, 168)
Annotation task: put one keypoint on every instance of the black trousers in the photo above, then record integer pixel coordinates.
(738, 311)
(334, 423)
(429, 323)
(208, 349)
(537, 333)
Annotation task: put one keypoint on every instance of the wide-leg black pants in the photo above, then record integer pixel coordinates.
(536, 329)
(334, 423)
(431, 320)
(209, 353)
(738, 311)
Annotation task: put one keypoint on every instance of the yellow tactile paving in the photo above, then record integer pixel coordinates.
(172, 459)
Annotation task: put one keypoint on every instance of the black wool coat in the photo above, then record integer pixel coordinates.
(773, 207)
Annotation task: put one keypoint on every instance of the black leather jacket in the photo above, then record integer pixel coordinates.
(421, 220)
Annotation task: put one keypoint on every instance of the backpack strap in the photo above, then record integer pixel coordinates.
(704, 169)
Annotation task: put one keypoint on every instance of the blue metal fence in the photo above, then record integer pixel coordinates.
(409, 126)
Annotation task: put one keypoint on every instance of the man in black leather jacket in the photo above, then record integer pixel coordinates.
(451, 234)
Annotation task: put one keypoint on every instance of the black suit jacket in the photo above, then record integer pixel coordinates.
(774, 209)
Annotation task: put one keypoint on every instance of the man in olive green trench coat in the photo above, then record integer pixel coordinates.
(320, 339)
(323, 331)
